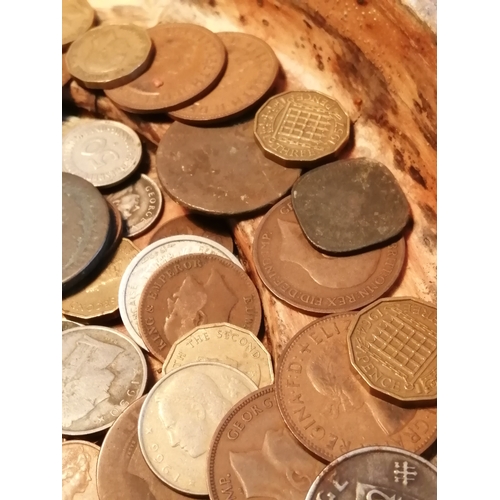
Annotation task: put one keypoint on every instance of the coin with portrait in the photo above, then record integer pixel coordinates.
(79, 470)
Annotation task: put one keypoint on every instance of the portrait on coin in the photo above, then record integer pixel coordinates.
(75, 472)
(128, 202)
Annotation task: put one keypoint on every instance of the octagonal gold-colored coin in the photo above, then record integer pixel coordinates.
(393, 346)
(301, 128)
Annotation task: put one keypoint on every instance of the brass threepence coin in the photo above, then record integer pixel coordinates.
(311, 281)
(111, 55)
(66, 77)
(68, 324)
(219, 170)
(349, 205)
(191, 291)
(147, 262)
(100, 296)
(188, 61)
(376, 473)
(122, 472)
(325, 405)
(393, 346)
(301, 128)
(85, 227)
(102, 373)
(77, 18)
(195, 225)
(104, 152)
(252, 68)
(79, 470)
(179, 417)
(139, 203)
(253, 453)
(223, 343)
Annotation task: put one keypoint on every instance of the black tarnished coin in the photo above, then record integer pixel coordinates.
(349, 205)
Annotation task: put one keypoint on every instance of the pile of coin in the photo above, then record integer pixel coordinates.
(350, 404)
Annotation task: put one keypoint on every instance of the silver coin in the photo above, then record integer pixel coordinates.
(147, 261)
(103, 152)
(102, 373)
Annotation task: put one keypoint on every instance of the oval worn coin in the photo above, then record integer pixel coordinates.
(188, 61)
(311, 281)
(79, 470)
(325, 405)
(77, 18)
(102, 373)
(223, 343)
(110, 55)
(376, 473)
(147, 261)
(179, 417)
(104, 152)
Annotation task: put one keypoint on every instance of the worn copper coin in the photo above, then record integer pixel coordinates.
(393, 346)
(85, 227)
(77, 18)
(252, 68)
(300, 128)
(349, 205)
(376, 473)
(122, 472)
(188, 61)
(219, 170)
(195, 290)
(79, 470)
(110, 55)
(139, 203)
(66, 77)
(254, 454)
(311, 281)
(195, 225)
(325, 405)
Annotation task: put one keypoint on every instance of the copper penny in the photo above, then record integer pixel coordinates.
(188, 61)
(349, 205)
(195, 225)
(393, 346)
(79, 470)
(325, 405)
(253, 453)
(195, 290)
(66, 77)
(252, 68)
(311, 281)
(219, 170)
(122, 472)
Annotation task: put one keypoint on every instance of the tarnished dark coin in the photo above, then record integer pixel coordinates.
(311, 281)
(376, 473)
(85, 227)
(219, 170)
(117, 226)
(349, 205)
(195, 225)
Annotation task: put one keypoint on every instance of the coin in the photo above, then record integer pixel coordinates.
(311, 281)
(85, 226)
(179, 417)
(79, 470)
(122, 472)
(139, 203)
(68, 324)
(195, 290)
(77, 18)
(188, 61)
(104, 152)
(376, 473)
(66, 77)
(223, 343)
(185, 152)
(147, 261)
(253, 453)
(325, 405)
(349, 205)
(301, 128)
(393, 346)
(252, 68)
(110, 55)
(117, 223)
(195, 225)
(102, 373)
(100, 297)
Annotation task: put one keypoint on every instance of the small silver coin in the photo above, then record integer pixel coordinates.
(103, 152)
